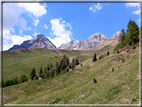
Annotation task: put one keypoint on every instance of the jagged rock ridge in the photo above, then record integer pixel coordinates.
(39, 42)
(91, 42)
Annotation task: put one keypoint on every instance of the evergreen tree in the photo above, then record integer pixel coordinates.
(55, 73)
(77, 61)
(41, 71)
(23, 78)
(122, 36)
(107, 52)
(33, 72)
(51, 65)
(47, 74)
(63, 65)
(94, 58)
(48, 67)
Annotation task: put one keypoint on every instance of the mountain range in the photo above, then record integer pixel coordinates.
(95, 41)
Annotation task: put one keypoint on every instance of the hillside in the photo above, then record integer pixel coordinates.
(74, 87)
(108, 42)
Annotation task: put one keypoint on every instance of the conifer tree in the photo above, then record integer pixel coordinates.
(107, 52)
(23, 78)
(41, 71)
(48, 67)
(33, 72)
(94, 57)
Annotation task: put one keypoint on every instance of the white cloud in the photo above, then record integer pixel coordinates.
(58, 29)
(12, 30)
(36, 22)
(95, 7)
(35, 8)
(11, 14)
(135, 6)
(10, 40)
(137, 12)
(21, 32)
(45, 26)
(23, 24)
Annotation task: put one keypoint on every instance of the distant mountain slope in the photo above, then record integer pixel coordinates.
(112, 41)
(39, 42)
(91, 42)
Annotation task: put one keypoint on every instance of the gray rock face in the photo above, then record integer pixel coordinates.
(91, 42)
(39, 42)
(115, 35)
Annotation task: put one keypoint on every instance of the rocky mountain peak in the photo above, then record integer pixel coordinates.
(97, 37)
(40, 36)
(115, 35)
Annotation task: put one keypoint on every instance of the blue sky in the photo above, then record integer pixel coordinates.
(62, 22)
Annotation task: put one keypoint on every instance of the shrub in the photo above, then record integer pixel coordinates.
(81, 65)
(107, 52)
(112, 69)
(35, 78)
(94, 80)
(23, 78)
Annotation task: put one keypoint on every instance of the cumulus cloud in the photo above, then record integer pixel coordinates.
(135, 6)
(35, 8)
(59, 30)
(36, 22)
(10, 40)
(45, 26)
(11, 14)
(95, 7)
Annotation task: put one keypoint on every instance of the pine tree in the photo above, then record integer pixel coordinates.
(107, 52)
(33, 72)
(41, 71)
(47, 74)
(94, 58)
(48, 67)
(122, 36)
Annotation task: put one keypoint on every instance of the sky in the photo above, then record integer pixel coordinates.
(62, 22)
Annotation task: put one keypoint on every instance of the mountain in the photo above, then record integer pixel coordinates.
(115, 35)
(112, 41)
(39, 42)
(70, 45)
(93, 41)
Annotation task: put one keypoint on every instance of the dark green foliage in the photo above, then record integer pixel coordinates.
(51, 73)
(122, 36)
(23, 78)
(51, 65)
(81, 65)
(41, 71)
(33, 72)
(94, 80)
(131, 37)
(133, 45)
(55, 73)
(56, 64)
(107, 52)
(63, 66)
(100, 57)
(77, 61)
(7, 83)
(112, 69)
(35, 78)
(94, 57)
(47, 74)
(48, 67)
(16, 80)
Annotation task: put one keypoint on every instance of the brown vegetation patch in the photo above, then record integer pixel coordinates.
(9, 53)
(66, 51)
(25, 50)
(39, 49)
(54, 51)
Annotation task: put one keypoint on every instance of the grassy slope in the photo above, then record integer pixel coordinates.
(77, 87)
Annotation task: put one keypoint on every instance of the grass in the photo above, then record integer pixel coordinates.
(77, 86)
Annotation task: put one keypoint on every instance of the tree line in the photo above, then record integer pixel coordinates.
(131, 37)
